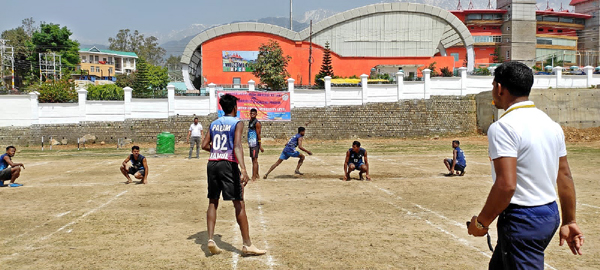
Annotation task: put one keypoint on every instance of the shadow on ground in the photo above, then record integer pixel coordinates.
(201, 238)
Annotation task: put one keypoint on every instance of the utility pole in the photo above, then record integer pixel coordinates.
(291, 21)
(48, 64)
(310, 59)
(7, 54)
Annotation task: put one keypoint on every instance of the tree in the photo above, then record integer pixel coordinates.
(158, 77)
(18, 39)
(270, 66)
(326, 68)
(497, 56)
(174, 67)
(144, 47)
(141, 83)
(553, 61)
(52, 38)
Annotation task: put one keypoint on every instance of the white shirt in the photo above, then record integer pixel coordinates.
(196, 130)
(537, 142)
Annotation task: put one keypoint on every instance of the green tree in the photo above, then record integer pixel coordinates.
(158, 77)
(553, 60)
(125, 80)
(270, 66)
(144, 47)
(497, 56)
(59, 91)
(174, 67)
(18, 38)
(52, 38)
(105, 92)
(326, 67)
(141, 84)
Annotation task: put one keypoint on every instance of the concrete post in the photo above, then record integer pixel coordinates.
(171, 97)
(427, 80)
(400, 84)
(589, 72)
(82, 99)
(212, 102)
(128, 92)
(327, 90)
(463, 79)
(251, 86)
(365, 88)
(558, 74)
(492, 70)
(35, 110)
(291, 91)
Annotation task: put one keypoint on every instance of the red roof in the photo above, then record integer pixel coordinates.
(565, 13)
(577, 2)
(467, 11)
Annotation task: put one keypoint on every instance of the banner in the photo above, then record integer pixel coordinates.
(271, 106)
(238, 61)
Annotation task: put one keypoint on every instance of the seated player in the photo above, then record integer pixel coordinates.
(10, 170)
(457, 163)
(354, 161)
(139, 166)
(290, 151)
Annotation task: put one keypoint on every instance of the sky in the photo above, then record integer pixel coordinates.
(96, 21)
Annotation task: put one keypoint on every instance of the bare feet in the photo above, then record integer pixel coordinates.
(214, 249)
(462, 173)
(265, 177)
(368, 178)
(298, 172)
(252, 251)
(128, 181)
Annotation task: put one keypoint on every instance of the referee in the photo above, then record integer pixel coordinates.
(529, 159)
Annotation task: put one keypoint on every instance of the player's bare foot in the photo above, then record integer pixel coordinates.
(129, 181)
(265, 177)
(368, 178)
(298, 172)
(252, 251)
(346, 177)
(462, 173)
(213, 248)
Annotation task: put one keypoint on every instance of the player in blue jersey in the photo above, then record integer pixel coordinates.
(254, 136)
(224, 142)
(10, 170)
(354, 161)
(290, 151)
(457, 163)
(138, 168)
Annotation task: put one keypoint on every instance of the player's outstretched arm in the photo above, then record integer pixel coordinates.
(302, 148)
(239, 152)
(346, 174)
(206, 142)
(13, 164)
(569, 231)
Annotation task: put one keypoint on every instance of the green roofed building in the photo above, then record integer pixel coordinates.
(104, 65)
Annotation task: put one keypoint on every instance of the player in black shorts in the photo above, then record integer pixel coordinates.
(254, 135)
(224, 142)
(139, 166)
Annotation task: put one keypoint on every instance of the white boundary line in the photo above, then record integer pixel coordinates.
(263, 224)
(235, 257)
(592, 206)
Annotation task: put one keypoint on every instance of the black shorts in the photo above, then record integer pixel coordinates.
(133, 170)
(254, 151)
(224, 176)
(457, 167)
(6, 174)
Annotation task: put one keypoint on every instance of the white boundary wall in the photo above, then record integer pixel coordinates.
(24, 110)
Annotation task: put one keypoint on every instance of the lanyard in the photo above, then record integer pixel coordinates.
(517, 107)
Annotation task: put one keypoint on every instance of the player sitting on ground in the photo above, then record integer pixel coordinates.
(354, 161)
(10, 173)
(139, 166)
(457, 163)
(290, 151)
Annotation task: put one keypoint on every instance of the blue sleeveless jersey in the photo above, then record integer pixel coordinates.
(291, 145)
(222, 134)
(3, 163)
(460, 157)
(356, 157)
(252, 135)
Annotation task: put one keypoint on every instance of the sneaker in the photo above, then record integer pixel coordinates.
(252, 251)
(15, 185)
(214, 249)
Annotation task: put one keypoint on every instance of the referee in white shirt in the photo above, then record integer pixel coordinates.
(196, 135)
(529, 159)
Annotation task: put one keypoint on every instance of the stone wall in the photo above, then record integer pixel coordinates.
(408, 118)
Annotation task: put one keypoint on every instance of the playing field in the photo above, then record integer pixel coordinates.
(75, 212)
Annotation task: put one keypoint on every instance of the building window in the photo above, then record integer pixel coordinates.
(544, 41)
(110, 60)
(473, 17)
(540, 29)
(508, 54)
(508, 28)
(566, 20)
(559, 30)
(237, 80)
(472, 27)
(97, 58)
(110, 71)
(551, 19)
(92, 69)
(487, 16)
(484, 28)
(550, 30)
(455, 55)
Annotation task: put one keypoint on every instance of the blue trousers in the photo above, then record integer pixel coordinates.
(523, 235)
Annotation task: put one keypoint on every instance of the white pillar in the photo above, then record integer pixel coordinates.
(400, 84)
(212, 102)
(427, 80)
(492, 70)
(127, 98)
(82, 98)
(463, 79)
(291, 91)
(589, 72)
(251, 85)
(365, 88)
(558, 74)
(35, 110)
(327, 90)
(171, 99)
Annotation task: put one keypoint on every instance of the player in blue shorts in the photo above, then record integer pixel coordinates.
(354, 161)
(290, 151)
(139, 166)
(10, 170)
(457, 163)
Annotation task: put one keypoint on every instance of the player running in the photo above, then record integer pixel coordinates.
(290, 151)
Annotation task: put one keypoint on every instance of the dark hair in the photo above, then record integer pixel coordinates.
(516, 77)
(195, 118)
(10, 146)
(135, 147)
(357, 143)
(456, 141)
(228, 103)
(253, 110)
(300, 129)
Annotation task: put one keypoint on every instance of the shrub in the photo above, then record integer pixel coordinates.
(62, 91)
(105, 92)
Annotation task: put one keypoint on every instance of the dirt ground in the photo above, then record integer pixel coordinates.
(75, 212)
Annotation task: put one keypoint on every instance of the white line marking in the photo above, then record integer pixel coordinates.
(263, 225)
(235, 257)
(590, 206)
(62, 214)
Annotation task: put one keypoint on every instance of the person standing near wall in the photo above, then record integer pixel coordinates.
(529, 159)
(194, 137)
(254, 137)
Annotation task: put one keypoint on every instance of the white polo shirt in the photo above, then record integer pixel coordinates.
(537, 142)
(196, 130)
